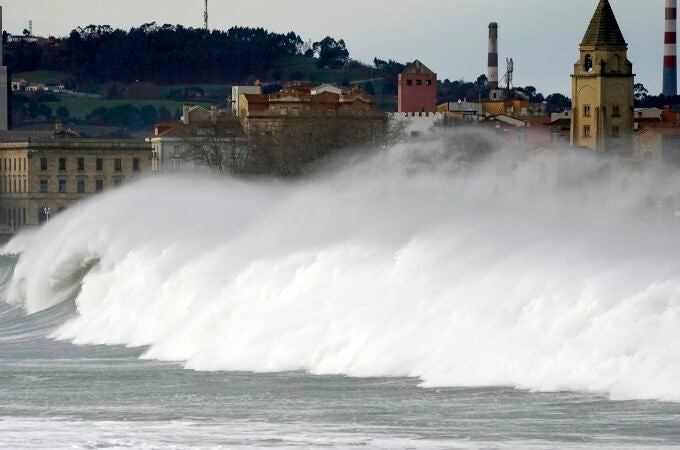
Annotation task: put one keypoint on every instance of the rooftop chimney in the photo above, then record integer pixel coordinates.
(492, 73)
(670, 60)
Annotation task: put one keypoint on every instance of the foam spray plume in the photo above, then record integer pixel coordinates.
(547, 272)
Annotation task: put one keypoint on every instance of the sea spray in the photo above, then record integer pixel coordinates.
(453, 260)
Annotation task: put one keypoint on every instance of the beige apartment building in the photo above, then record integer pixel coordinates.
(40, 177)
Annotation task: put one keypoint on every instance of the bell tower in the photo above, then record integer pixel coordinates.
(602, 87)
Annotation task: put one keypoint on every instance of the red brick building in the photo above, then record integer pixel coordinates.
(417, 89)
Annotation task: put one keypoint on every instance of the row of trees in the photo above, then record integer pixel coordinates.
(167, 54)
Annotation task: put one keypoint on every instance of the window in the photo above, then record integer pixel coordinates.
(117, 182)
(43, 163)
(118, 164)
(62, 186)
(43, 186)
(586, 111)
(99, 185)
(588, 63)
(62, 163)
(428, 82)
(586, 131)
(616, 111)
(135, 164)
(615, 132)
(419, 82)
(409, 82)
(81, 164)
(81, 186)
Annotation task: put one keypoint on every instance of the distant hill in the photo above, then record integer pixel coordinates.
(147, 72)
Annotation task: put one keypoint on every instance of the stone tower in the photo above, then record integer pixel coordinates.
(602, 87)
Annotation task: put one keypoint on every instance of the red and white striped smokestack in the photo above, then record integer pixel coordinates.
(670, 59)
(492, 73)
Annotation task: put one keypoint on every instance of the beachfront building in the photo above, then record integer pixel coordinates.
(41, 176)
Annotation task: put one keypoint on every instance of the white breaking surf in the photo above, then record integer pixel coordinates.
(543, 273)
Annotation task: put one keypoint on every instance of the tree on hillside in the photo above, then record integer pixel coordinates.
(640, 92)
(62, 113)
(332, 53)
(558, 100)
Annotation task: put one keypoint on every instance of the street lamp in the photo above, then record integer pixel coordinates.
(46, 210)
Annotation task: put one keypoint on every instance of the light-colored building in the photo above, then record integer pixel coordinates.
(236, 92)
(42, 176)
(654, 144)
(19, 84)
(202, 138)
(602, 87)
(35, 87)
(414, 125)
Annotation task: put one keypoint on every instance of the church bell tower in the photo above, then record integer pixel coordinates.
(602, 87)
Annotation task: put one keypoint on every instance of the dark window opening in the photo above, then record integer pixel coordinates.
(118, 165)
(62, 163)
(81, 164)
(62, 186)
(100, 164)
(588, 63)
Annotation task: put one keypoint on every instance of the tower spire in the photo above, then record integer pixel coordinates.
(603, 28)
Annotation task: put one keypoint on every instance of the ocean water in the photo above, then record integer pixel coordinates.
(418, 297)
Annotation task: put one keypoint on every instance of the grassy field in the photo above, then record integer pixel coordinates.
(42, 76)
(80, 108)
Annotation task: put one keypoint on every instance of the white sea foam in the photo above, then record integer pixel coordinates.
(551, 272)
(57, 434)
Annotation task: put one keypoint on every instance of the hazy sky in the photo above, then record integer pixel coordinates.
(449, 36)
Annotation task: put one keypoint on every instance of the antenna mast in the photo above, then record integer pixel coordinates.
(205, 16)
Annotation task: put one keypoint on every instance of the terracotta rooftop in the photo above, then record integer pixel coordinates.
(603, 28)
(179, 130)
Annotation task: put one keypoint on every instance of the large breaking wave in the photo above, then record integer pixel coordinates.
(548, 271)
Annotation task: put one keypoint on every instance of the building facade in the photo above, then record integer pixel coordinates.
(300, 124)
(202, 138)
(602, 87)
(417, 89)
(43, 176)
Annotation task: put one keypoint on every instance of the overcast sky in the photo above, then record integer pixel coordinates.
(449, 36)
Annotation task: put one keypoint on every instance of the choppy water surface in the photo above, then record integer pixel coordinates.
(420, 298)
(58, 395)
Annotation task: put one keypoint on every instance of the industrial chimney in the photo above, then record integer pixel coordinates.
(670, 60)
(492, 73)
